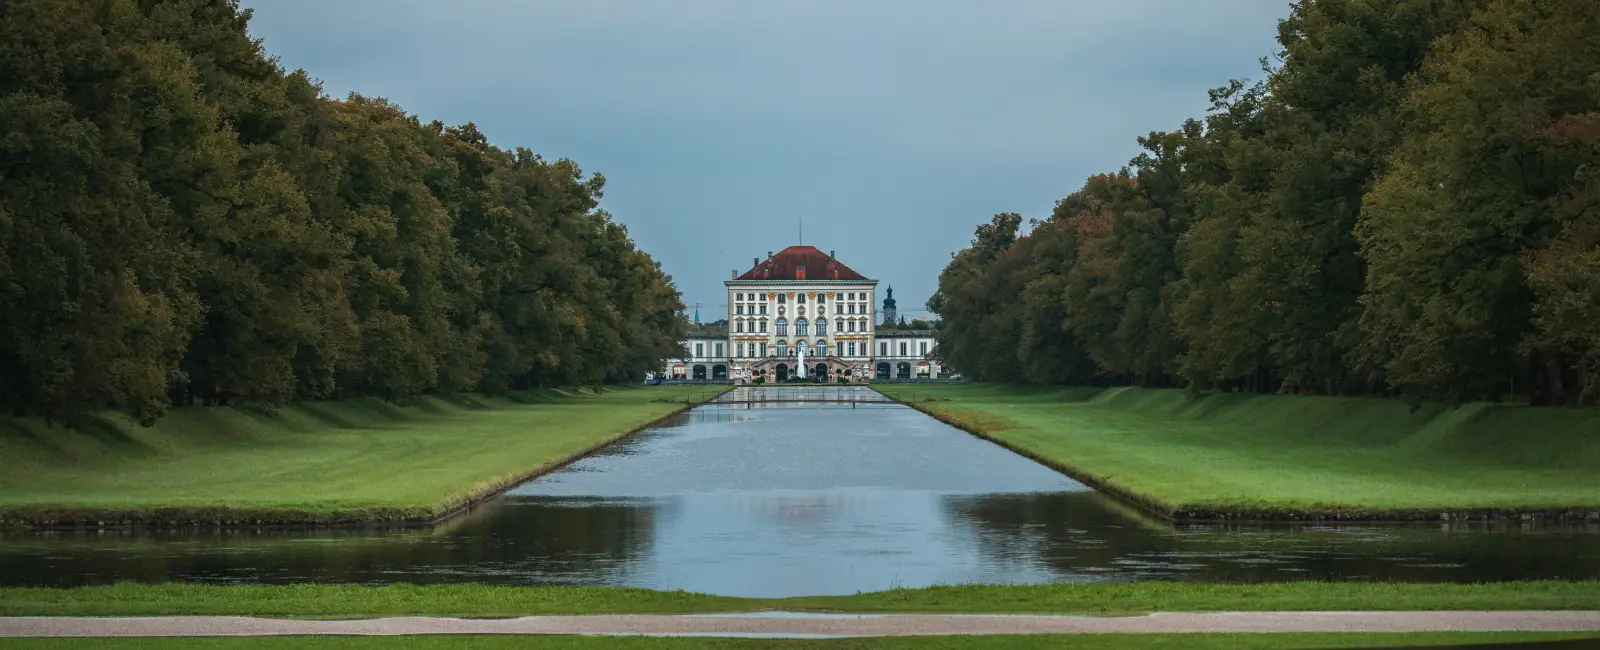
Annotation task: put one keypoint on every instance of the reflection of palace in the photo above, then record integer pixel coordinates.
(802, 313)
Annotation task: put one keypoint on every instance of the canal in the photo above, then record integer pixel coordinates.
(802, 496)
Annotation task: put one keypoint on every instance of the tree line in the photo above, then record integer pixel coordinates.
(182, 220)
(1407, 204)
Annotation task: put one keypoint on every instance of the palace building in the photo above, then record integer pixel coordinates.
(802, 313)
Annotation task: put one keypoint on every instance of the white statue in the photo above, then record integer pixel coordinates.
(800, 361)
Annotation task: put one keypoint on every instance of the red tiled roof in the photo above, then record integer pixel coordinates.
(787, 263)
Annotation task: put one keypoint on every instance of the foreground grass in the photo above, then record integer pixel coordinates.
(1270, 456)
(311, 462)
(483, 601)
(1078, 642)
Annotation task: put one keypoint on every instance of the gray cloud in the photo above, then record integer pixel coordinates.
(893, 128)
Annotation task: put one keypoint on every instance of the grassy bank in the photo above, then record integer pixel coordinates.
(1286, 457)
(482, 601)
(310, 463)
(1078, 642)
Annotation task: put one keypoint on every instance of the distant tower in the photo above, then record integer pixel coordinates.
(697, 314)
(888, 308)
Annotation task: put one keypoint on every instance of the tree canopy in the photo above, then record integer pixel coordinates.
(1407, 204)
(181, 219)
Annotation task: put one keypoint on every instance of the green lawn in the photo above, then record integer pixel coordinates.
(327, 461)
(482, 601)
(1275, 457)
(1076, 642)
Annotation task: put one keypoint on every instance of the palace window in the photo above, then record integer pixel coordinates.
(852, 326)
(783, 326)
(738, 326)
(738, 309)
(852, 349)
(699, 350)
(800, 327)
(763, 348)
(822, 298)
(783, 349)
(763, 326)
(719, 350)
(902, 348)
(922, 348)
(782, 298)
(800, 299)
(838, 325)
(763, 309)
(852, 309)
(883, 349)
(822, 327)
(738, 296)
(822, 348)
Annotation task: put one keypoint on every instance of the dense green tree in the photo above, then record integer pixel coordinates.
(1496, 165)
(1407, 203)
(181, 219)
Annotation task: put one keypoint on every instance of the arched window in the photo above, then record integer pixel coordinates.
(822, 348)
(822, 327)
(783, 326)
(800, 327)
(783, 348)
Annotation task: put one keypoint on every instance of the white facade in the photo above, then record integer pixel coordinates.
(778, 318)
(905, 354)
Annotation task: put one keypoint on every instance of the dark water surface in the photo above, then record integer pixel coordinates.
(808, 499)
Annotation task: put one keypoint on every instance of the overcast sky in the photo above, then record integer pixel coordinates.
(892, 128)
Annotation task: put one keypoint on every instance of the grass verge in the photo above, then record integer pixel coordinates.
(483, 601)
(311, 463)
(1548, 641)
(1274, 457)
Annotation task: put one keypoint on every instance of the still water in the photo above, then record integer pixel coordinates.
(793, 498)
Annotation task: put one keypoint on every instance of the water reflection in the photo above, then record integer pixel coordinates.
(807, 500)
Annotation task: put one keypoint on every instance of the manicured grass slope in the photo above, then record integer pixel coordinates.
(1285, 456)
(342, 460)
(483, 601)
(1079, 642)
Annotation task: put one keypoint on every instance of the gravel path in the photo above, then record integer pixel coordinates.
(816, 625)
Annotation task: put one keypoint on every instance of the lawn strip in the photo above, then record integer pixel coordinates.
(1275, 458)
(343, 462)
(1282, 641)
(484, 601)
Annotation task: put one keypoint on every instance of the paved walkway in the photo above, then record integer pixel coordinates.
(817, 625)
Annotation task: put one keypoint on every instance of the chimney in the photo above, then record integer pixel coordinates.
(756, 261)
(769, 255)
(736, 274)
(830, 253)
